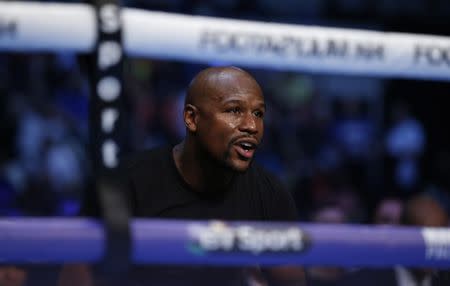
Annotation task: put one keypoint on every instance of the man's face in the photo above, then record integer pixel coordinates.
(230, 122)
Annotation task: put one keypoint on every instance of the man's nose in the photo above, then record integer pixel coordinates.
(248, 124)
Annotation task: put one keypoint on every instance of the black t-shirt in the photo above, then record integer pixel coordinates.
(158, 190)
(155, 189)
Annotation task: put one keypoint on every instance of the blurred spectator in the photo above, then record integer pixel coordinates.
(38, 124)
(71, 99)
(329, 214)
(65, 165)
(420, 210)
(439, 186)
(352, 130)
(12, 276)
(312, 192)
(353, 134)
(405, 144)
(349, 200)
(326, 275)
(388, 212)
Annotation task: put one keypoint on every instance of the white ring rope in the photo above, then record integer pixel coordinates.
(33, 27)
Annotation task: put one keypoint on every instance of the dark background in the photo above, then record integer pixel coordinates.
(302, 144)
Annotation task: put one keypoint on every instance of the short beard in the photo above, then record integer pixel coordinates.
(228, 164)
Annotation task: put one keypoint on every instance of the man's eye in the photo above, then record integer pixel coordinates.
(234, 110)
(259, 114)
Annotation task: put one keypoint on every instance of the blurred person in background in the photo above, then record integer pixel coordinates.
(353, 134)
(326, 275)
(405, 145)
(420, 210)
(12, 276)
(439, 185)
(388, 212)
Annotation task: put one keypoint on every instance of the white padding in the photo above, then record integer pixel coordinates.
(52, 27)
(33, 26)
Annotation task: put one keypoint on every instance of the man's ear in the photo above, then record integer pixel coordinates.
(190, 115)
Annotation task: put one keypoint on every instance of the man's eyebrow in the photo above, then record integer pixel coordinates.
(237, 101)
(262, 105)
(233, 101)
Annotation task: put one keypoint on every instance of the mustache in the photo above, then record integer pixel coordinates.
(243, 137)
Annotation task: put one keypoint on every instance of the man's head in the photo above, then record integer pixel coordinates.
(223, 113)
(423, 210)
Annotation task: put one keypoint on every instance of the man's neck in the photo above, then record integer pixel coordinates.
(198, 171)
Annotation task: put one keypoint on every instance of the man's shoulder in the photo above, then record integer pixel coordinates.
(261, 174)
(261, 180)
(278, 203)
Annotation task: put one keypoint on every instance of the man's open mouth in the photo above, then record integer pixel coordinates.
(246, 148)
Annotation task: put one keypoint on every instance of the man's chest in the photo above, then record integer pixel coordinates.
(169, 200)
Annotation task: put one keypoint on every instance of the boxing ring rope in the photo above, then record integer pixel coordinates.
(35, 27)
(219, 243)
(55, 26)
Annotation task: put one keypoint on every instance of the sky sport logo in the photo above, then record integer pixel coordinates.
(217, 236)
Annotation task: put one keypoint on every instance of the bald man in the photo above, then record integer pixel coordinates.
(223, 114)
(211, 173)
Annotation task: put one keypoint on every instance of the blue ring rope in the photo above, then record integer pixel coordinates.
(56, 240)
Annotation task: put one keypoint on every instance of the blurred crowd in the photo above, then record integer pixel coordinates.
(345, 152)
(340, 152)
(341, 157)
(334, 140)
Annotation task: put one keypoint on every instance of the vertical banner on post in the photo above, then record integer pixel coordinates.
(107, 122)
(106, 105)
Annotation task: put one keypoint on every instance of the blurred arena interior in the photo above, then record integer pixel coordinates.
(350, 149)
(336, 140)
